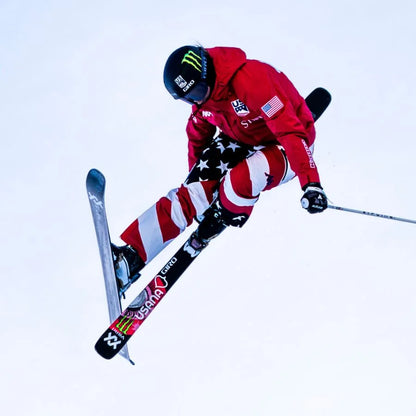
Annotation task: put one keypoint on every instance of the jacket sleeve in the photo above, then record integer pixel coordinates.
(285, 114)
(291, 134)
(199, 132)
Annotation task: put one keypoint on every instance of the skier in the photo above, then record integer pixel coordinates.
(249, 131)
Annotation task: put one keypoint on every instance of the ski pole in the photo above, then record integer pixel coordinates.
(373, 214)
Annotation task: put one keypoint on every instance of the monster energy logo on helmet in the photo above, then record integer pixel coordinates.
(189, 68)
(193, 59)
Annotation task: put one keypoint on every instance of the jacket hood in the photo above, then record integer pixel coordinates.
(227, 61)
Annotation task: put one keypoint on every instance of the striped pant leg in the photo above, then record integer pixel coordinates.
(165, 220)
(152, 231)
(241, 187)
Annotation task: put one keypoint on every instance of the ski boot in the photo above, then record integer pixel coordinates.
(216, 219)
(127, 265)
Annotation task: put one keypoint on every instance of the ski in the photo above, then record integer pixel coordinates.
(130, 320)
(95, 189)
(318, 101)
(115, 338)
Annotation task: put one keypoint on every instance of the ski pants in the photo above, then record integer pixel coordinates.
(232, 171)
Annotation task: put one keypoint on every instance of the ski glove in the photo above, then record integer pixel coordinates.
(314, 199)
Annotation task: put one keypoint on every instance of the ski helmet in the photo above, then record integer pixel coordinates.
(189, 73)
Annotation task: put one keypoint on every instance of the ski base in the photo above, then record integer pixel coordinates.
(96, 189)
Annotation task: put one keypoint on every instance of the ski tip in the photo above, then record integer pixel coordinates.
(95, 178)
(95, 173)
(104, 353)
(107, 351)
(111, 343)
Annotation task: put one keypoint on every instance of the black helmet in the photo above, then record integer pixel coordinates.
(188, 74)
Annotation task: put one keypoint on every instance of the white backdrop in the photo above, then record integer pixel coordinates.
(292, 315)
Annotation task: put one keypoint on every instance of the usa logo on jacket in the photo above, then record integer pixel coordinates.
(240, 108)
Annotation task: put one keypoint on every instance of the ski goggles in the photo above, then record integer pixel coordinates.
(197, 93)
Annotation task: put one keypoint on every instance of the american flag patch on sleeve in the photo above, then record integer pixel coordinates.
(272, 106)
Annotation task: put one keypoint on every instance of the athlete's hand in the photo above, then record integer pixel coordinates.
(314, 199)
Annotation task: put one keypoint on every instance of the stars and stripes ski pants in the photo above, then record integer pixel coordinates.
(234, 172)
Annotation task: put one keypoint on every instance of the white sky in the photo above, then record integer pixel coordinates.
(292, 315)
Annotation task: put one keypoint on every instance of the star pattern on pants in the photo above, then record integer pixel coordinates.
(218, 158)
(223, 167)
(233, 146)
(203, 164)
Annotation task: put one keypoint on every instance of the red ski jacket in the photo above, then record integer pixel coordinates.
(254, 103)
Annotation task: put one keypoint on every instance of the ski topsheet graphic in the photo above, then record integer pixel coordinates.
(96, 189)
(126, 323)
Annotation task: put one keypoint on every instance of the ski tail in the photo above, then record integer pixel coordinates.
(318, 101)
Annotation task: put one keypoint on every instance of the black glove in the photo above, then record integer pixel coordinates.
(314, 199)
